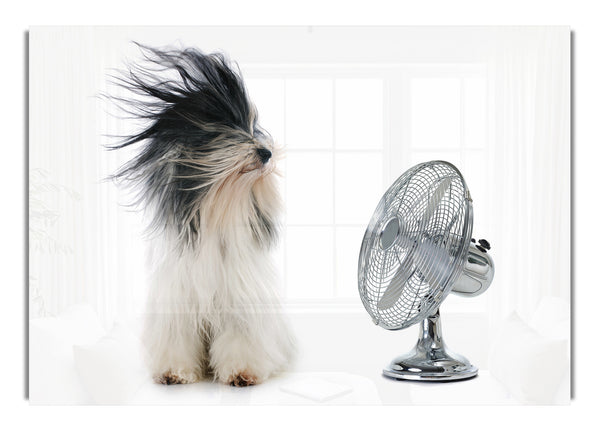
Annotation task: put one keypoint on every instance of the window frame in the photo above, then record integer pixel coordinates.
(396, 78)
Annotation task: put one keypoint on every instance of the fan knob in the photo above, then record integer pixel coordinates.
(485, 244)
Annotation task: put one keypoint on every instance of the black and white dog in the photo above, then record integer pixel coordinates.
(205, 173)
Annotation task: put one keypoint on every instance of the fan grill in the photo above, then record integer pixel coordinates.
(431, 202)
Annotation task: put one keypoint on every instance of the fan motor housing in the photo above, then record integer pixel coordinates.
(477, 274)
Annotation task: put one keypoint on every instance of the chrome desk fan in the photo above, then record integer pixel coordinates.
(416, 250)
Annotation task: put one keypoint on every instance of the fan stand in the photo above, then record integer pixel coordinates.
(430, 360)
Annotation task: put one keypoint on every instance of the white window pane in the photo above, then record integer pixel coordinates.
(475, 173)
(309, 113)
(359, 113)
(309, 188)
(309, 262)
(280, 177)
(268, 97)
(278, 256)
(475, 112)
(347, 247)
(459, 304)
(427, 156)
(435, 112)
(358, 186)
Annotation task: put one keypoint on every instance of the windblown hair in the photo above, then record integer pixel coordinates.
(204, 173)
(202, 138)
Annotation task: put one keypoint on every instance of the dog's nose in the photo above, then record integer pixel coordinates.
(264, 155)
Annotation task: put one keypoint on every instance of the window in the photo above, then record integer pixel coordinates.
(348, 131)
(331, 126)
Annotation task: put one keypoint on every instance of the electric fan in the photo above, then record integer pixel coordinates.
(416, 250)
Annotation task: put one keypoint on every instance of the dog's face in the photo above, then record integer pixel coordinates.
(227, 155)
(205, 164)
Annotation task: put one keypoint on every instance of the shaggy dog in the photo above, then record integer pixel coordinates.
(205, 175)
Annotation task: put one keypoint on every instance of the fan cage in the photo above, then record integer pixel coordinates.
(431, 244)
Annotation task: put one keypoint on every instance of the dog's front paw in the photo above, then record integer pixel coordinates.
(176, 377)
(242, 379)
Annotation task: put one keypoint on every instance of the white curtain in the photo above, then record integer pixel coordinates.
(529, 166)
(84, 247)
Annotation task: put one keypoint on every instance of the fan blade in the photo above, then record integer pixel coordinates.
(396, 286)
(430, 260)
(433, 262)
(431, 272)
(434, 201)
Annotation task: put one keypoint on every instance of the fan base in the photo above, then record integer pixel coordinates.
(430, 360)
(443, 368)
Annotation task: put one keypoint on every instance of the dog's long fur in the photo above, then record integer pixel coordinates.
(206, 180)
